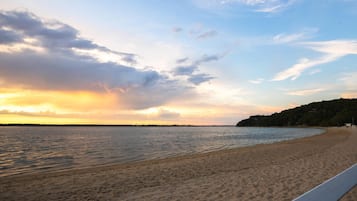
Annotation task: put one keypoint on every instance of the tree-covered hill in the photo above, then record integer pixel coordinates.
(325, 113)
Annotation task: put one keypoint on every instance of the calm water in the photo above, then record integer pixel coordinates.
(35, 149)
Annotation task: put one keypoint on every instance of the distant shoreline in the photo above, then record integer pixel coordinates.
(117, 125)
(150, 125)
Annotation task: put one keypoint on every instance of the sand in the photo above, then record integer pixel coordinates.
(280, 171)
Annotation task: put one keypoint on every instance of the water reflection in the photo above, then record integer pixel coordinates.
(34, 149)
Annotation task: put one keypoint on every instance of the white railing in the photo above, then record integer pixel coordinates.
(334, 188)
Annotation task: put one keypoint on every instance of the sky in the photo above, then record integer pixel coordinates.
(198, 62)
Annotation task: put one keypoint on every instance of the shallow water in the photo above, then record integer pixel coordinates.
(34, 149)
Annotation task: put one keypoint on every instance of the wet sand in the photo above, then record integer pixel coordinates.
(280, 171)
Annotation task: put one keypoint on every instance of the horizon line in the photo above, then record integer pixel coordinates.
(118, 125)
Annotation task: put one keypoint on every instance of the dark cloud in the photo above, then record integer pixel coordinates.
(54, 36)
(128, 58)
(63, 73)
(207, 34)
(155, 94)
(190, 70)
(182, 60)
(185, 70)
(198, 79)
(8, 37)
(136, 89)
(208, 58)
(20, 21)
(62, 69)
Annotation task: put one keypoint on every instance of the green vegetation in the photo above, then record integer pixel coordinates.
(325, 113)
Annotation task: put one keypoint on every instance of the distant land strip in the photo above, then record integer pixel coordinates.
(338, 112)
(115, 125)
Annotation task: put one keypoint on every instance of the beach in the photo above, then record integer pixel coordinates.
(279, 171)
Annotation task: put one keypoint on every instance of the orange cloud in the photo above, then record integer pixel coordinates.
(58, 101)
(15, 118)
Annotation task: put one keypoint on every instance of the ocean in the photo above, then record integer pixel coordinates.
(31, 149)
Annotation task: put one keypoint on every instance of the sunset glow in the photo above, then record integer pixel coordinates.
(185, 62)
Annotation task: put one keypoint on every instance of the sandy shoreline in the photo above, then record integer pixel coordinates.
(279, 171)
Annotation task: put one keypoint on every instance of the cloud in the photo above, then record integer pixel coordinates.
(128, 57)
(305, 92)
(167, 114)
(8, 37)
(208, 58)
(270, 6)
(192, 77)
(200, 32)
(288, 38)
(24, 113)
(190, 70)
(257, 81)
(207, 34)
(337, 47)
(182, 60)
(136, 89)
(296, 70)
(315, 71)
(185, 70)
(52, 35)
(200, 78)
(60, 68)
(33, 70)
(264, 6)
(89, 116)
(331, 51)
(271, 9)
